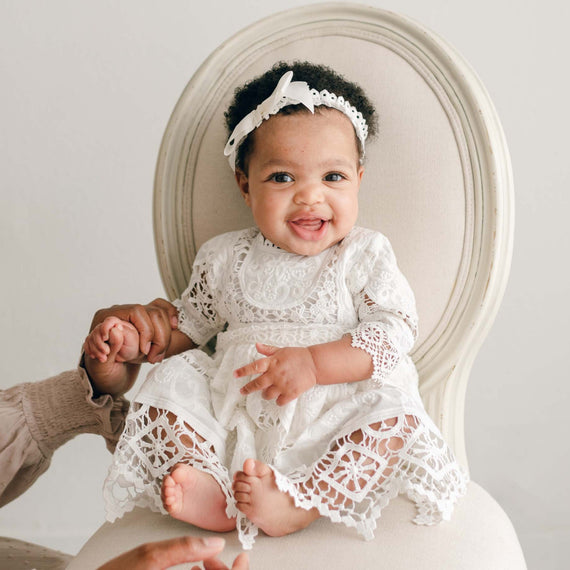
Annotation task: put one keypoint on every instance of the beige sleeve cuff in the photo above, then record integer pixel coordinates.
(61, 407)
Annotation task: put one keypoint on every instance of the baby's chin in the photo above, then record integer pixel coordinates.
(308, 248)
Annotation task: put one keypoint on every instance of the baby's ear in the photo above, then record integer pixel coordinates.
(243, 183)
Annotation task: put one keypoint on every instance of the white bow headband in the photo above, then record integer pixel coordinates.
(292, 93)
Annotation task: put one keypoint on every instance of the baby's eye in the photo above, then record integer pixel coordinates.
(334, 177)
(281, 177)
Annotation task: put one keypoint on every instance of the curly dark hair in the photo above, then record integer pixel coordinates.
(319, 77)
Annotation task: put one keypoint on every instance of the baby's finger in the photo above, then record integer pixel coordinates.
(100, 345)
(260, 383)
(266, 349)
(271, 393)
(256, 367)
(87, 349)
(108, 324)
(283, 400)
(140, 318)
(115, 343)
(96, 348)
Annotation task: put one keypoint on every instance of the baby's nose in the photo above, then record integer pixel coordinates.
(309, 194)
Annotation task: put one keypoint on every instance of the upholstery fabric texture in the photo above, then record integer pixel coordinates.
(479, 536)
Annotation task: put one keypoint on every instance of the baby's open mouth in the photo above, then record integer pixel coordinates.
(311, 224)
(309, 228)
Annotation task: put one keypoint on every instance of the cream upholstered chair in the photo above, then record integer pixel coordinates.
(437, 183)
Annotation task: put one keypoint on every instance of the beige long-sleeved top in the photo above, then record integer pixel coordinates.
(37, 418)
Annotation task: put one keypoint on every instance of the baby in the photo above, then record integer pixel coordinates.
(328, 421)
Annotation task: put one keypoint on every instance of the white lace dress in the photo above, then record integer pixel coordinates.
(345, 449)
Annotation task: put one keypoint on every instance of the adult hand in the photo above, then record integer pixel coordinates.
(154, 323)
(168, 553)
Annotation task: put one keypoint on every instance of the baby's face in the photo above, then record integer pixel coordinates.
(303, 180)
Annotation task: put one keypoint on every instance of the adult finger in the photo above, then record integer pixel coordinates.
(169, 309)
(161, 317)
(167, 553)
(214, 564)
(240, 563)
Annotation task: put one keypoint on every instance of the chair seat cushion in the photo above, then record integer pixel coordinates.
(480, 535)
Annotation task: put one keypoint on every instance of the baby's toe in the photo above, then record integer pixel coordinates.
(168, 482)
(180, 474)
(255, 468)
(242, 492)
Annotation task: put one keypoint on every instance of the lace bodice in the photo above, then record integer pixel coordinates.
(260, 293)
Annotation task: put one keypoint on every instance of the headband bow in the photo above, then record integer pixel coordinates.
(286, 93)
(290, 92)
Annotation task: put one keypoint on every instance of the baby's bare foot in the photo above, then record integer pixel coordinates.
(261, 501)
(195, 497)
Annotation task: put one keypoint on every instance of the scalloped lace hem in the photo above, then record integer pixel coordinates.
(356, 480)
(351, 484)
(150, 448)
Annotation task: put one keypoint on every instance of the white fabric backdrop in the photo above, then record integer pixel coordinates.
(87, 89)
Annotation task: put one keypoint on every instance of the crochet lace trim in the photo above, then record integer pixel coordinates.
(350, 484)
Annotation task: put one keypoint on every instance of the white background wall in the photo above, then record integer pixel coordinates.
(87, 89)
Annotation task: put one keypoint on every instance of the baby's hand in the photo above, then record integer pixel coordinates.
(284, 375)
(110, 336)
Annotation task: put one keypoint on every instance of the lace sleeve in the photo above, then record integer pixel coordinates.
(198, 315)
(385, 305)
